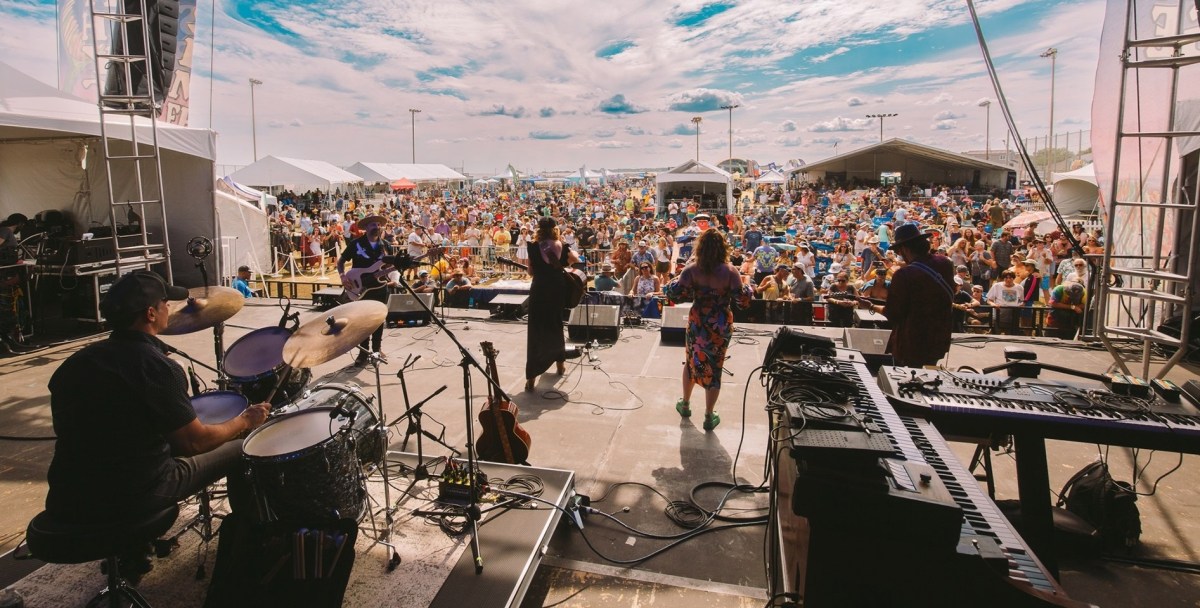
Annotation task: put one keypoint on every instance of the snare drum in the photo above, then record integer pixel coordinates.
(303, 468)
(215, 407)
(255, 362)
(369, 444)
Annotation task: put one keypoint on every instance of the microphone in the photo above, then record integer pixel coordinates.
(340, 409)
(195, 381)
(286, 309)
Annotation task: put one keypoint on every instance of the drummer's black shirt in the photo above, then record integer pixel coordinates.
(113, 404)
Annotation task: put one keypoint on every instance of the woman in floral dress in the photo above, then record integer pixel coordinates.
(714, 287)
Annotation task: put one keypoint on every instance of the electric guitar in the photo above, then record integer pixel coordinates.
(576, 281)
(355, 280)
(502, 438)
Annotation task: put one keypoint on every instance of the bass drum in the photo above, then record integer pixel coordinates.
(369, 445)
(304, 470)
(255, 362)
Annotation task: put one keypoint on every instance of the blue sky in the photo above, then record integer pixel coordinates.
(556, 85)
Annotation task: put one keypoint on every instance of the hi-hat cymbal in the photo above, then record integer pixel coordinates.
(333, 333)
(205, 307)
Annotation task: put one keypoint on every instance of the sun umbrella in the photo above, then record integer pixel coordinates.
(1028, 217)
(402, 184)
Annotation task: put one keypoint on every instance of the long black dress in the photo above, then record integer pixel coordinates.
(545, 344)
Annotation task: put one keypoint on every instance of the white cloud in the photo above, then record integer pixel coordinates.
(948, 115)
(830, 55)
(481, 78)
(842, 124)
(944, 125)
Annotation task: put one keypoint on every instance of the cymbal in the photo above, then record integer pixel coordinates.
(205, 307)
(333, 333)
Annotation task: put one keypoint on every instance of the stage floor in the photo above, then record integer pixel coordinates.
(613, 421)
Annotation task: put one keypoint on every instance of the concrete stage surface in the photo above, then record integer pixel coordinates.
(612, 421)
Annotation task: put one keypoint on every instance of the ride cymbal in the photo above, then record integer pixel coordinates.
(204, 307)
(333, 333)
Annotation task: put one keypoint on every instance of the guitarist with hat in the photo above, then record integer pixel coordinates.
(364, 252)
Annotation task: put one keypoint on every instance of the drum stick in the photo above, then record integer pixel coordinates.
(278, 383)
(339, 540)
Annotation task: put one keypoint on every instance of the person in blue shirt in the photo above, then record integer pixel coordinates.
(242, 281)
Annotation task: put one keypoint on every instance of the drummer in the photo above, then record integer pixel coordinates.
(128, 440)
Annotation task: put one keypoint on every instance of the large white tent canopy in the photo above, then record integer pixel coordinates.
(771, 177)
(294, 173)
(51, 159)
(694, 178)
(418, 173)
(1076, 191)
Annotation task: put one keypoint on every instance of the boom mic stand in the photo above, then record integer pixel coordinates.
(473, 512)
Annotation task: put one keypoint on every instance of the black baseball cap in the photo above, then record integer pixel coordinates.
(138, 291)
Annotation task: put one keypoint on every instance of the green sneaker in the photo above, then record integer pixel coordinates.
(682, 407)
(711, 421)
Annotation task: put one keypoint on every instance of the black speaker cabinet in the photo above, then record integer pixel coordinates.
(405, 311)
(674, 323)
(594, 322)
(509, 305)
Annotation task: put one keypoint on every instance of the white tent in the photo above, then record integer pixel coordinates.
(51, 159)
(295, 174)
(1076, 191)
(695, 178)
(258, 198)
(771, 177)
(418, 173)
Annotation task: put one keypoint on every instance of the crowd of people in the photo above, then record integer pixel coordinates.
(789, 244)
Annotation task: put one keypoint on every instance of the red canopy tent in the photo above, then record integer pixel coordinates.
(402, 184)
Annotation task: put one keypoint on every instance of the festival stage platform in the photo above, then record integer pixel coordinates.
(612, 421)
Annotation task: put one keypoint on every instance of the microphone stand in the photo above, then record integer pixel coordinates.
(468, 361)
(421, 471)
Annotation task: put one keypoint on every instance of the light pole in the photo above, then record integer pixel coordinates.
(696, 121)
(730, 107)
(253, 125)
(1052, 53)
(881, 117)
(413, 113)
(986, 104)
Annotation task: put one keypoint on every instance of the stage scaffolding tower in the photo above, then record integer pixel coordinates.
(1150, 278)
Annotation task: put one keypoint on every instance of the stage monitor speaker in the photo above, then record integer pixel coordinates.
(509, 305)
(594, 322)
(674, 323)
(405, 311)
(872, 343)
(796, 343)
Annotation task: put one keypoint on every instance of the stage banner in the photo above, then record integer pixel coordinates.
(77, 72)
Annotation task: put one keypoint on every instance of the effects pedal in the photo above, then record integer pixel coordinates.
(454, 486)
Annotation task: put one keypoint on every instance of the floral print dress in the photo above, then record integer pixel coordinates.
(710, 325)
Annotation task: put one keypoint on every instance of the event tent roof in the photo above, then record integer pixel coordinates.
(294, 173)
(693, 172)
(771, 177)
(390, 172)
(33, 110)
(1076, 191)
(909, 149)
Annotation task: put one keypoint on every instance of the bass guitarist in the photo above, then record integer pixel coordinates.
(363, 252)
(547, 259)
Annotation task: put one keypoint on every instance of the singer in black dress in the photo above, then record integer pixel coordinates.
(548, 256)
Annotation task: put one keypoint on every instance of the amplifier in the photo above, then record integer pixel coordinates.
(872, 343)
(594, 322)
(674, 323)
(509, 306)
(405, 311)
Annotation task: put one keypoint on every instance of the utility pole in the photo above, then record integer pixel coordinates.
(1052, 53)
(730, 107)
(881, 117)
(413, 113)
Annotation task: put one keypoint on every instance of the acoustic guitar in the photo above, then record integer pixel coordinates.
(576, 281)
(502, 438)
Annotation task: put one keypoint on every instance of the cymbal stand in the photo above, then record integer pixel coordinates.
(382, 537)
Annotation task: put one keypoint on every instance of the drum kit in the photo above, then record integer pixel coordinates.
(308, 463)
